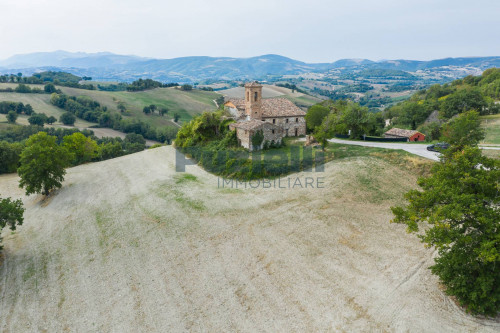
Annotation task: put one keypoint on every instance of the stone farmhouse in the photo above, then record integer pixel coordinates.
(410, 135)
(275, 117)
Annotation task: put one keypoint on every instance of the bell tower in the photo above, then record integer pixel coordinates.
(253, 100)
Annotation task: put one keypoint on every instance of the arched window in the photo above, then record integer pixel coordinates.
(255, 96)
(248, 96)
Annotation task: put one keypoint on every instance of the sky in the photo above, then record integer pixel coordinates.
(307, 30)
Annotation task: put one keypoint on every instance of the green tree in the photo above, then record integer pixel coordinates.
(28, 110)
(12, 117)
(355, 119)
(49, 88)
(458, 209)
(37, 119)
(83, 149)
(67, 118)
(121, 106)
(463, 100)
(22, 88)
(257, 139)
(176, 117)
(464, 130)
(152, 108)
(9, 156)
(146, 110)
(326, 130)
(315, 116)
(163, 111)
(11, 214)
(186, 87)
(42, 164)
(51, 120)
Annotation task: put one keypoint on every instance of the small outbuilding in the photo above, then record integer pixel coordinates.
(398, 133)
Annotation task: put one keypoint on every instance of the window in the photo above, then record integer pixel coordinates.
(296, 132)
(255, 96)
(296, 120)
(272, 131)
(274, 121)
(287, 120)
(248, 96)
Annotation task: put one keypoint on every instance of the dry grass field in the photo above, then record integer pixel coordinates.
(269, 91)
(129, 245)
(186, 104)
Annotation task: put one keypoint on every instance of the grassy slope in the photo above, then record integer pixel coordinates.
(492, 125)
(186, 103)
(40, 103)
(130, 245)
(270, 91)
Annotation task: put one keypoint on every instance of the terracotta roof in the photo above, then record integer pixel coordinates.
(401, 132)
(272, 107)
(239, 103)
(248, 124)
(280, 107)
(253, 84)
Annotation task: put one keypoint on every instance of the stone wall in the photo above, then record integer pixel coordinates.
(271, 133)
(243, 137)
(293, 123)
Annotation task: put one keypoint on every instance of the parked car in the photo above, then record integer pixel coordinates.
(439, 147)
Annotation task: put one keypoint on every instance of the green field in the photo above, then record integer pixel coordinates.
(39, 102)
(185, 103)
(492, 126)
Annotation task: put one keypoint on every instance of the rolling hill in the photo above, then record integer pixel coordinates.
(130, 245)
(108, 66)
(185, 103)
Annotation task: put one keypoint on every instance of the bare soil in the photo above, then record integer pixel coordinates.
(129, 245)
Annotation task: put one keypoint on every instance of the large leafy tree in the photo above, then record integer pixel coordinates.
(42, 164)
(12, 117)
(459, 208)
(355, 119)
(315, 116)
(83, 149)
(463, 100)
(460, 203)
(11, 214)
(464, 130)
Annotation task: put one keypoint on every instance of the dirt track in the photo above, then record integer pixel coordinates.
(128, 245)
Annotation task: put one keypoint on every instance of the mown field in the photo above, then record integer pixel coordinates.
(185, 103)
(39, 102)
(492, 126)
(130, 245)
(269, 91)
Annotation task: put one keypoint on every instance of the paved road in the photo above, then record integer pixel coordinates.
(414, 148)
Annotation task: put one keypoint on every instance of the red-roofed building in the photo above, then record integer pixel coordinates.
(411, 135)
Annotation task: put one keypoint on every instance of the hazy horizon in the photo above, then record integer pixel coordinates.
(226, 56)
(322, 31)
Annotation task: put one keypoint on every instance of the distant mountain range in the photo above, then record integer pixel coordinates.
(109, 66)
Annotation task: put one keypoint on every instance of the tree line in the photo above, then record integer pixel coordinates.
(85, 108)
(470, 93)
(15, 139)
(57, 78)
